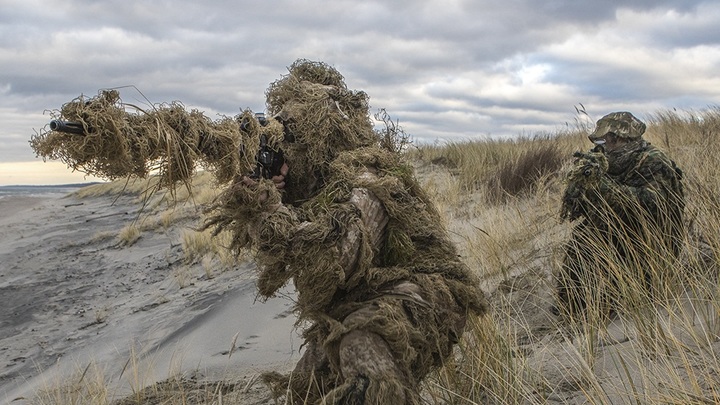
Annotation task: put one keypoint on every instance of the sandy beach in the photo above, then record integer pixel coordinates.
(76, 300)
(73, 297)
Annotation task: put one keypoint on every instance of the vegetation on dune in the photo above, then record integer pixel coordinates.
(500, 199)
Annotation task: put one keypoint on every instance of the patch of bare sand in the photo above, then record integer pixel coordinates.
(73, 296)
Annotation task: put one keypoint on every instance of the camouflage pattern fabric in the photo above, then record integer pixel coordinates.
(630, 202)
(623, 124)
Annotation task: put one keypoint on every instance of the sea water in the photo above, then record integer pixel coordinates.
(39, 191)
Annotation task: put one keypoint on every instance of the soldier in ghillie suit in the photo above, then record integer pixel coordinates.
(629, 195)
(381, 289)
(382, 294)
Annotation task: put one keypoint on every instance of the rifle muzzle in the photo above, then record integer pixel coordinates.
(68, 127)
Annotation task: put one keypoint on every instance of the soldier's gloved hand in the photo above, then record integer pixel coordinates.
(589, 168)
(587, 174)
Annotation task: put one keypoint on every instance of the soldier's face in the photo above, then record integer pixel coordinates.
(610, 141)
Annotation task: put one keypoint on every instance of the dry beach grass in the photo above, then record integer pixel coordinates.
(500, 201)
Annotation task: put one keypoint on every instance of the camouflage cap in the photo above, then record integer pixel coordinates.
(623, 124)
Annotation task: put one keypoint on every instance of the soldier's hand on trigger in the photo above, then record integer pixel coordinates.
(278, 180)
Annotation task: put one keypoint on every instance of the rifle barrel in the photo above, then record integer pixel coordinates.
(68, 127)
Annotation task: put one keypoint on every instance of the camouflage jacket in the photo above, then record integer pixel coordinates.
(639, 192)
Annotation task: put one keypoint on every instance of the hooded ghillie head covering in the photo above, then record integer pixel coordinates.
(321, 118)
(622, 124)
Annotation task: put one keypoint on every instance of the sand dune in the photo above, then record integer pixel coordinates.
(72, 296)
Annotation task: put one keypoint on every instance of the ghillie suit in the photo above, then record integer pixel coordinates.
(378, 280)
(382, 294)
(631, 202)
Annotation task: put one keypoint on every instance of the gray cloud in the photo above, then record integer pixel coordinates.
(454, 70)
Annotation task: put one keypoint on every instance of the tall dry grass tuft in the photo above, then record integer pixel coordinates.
(84, 386)
(474, 163)
(540, 160)
(485, 370)
(129, 235)
(524, 176)
(212, 251)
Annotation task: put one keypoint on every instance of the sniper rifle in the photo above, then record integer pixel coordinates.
(268, 160)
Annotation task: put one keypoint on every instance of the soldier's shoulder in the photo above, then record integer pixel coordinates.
(658, 160)
(653, 153)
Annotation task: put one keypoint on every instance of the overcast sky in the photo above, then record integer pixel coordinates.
(447, 70)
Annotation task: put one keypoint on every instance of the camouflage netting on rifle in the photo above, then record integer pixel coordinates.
(122, 140)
